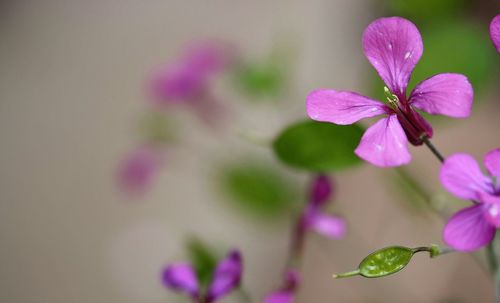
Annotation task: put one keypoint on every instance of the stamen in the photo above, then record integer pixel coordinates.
(391, 98)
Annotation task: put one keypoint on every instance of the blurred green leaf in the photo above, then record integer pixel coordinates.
(156, 127)
(457, 47)
(265, 79)
(427, 9)
(318, 146)
(203, 259)
(258, 188)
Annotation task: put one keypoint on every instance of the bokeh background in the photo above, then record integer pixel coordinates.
(72, 77)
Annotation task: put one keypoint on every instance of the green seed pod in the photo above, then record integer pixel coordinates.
(388, 261)
(385, 261)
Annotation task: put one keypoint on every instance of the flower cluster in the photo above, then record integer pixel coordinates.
(226, 277)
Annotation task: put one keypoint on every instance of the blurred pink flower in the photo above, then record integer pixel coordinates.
(187, 79)
(495, 32)
(286, 294)
(473, 227)
(137, 171)
(314, 218)
(227, 276)
(393, 46)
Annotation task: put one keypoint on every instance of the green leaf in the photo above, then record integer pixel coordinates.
(203, 259)
(259, 188)
(261, 79)
(318, 146)
(390, 260)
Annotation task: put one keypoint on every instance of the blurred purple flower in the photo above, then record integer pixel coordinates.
(187, 79)
(394, 46)
(137, 171)
(285, 294)
(314, 218)
(495, 32)
(473, 227)
(321, 190)
(227, 276)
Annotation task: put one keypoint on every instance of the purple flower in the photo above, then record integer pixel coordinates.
(227, 276)
(495, 32)
(138, 169)
(187, 79)
(314, 218)
(285, 294)
(473, 227)
(321, 190)
(394, 46)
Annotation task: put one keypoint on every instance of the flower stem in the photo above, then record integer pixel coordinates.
(492, 256)
(433, 149)
(244, 296)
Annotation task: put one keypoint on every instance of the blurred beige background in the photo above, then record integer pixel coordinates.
(71, 87)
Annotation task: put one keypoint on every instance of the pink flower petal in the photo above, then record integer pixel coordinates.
(281, 296)
(329, 226)
(393, 46)
(208, 57)
(176, 83)
(492, 163)
(467, 230)
(495, 32)
(444, 94)
(227, 276)
(181, 277)
(384, 144)
(491, 208)
(461, 176)
(341, 107)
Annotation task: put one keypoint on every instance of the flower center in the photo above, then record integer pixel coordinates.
(415, 127)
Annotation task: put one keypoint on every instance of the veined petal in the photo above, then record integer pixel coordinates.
(181, 277)
(341, 107)
(467, 230)
(393, 46)
(495, 32)
(281, 296)
(444, 94)
(491, 206)
(329, 226)
(492, 163)
(384, 144)
(227, 276)
(461, 176)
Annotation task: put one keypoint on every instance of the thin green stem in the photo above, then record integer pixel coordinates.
(433, 149)
(490, 256)
(244, 295)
